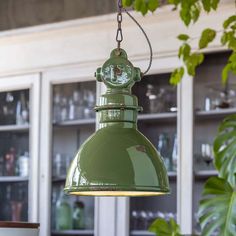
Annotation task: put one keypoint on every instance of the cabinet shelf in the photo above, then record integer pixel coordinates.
(59, 178)
(170, 116)
(5, 179)
(215, 114)
(141, 233)
(12, 128)
(205, 173)
(73, 232)
(172, 174)
(75, 122)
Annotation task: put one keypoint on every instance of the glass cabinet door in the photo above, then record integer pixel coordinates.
(158, 122)
(73, 119)
(68, 102)
(18, 148)
(213, 102)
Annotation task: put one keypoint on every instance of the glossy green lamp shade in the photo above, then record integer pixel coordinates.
(117, 160)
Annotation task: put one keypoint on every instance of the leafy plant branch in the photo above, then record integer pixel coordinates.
(189, 13)
(217, 211)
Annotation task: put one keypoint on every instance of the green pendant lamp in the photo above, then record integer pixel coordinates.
(117, 160)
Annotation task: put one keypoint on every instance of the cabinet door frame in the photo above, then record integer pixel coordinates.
(31, 82)
(111, 214)
(64, 75)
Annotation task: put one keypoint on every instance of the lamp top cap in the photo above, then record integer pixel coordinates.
(118, 71)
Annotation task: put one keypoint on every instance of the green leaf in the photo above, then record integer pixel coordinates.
(197, 58)
(214, 4)
(153, 5)
(193, 61)
(229, 39)
(230, 20)
(165, 228)
(208, 35)
(225, 149)
(232, 43)
(232, 57)
(230, 67)
(225, 73)
(195, 12)
(176, 76)
(185, 16)
(218, 208)
(144, 8)
(190, 68)
(138, 5)
(175, 2)
(206, 5)
(127, 3)
(186, 49)
(183, 37)
(224, 38)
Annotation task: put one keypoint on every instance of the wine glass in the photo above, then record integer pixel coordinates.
(207, 153)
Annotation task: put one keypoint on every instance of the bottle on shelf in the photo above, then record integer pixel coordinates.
(152, 99)
(78, 103)
(6, 207)
(156, 99)
(10, 159)
(23, 165)
(59, 165)
(19, 120)
(63, 213)
(134, 219)
(16, 207)
(9, 109)
(78, 215)
(63, 109)
(89, 101)
(24, 200)
(207, 105)
(1, 165)
(56, 108)
(71, 114)
(164, 149)
(19, 207)
(24, 111)
(174, 154)
(54, 202)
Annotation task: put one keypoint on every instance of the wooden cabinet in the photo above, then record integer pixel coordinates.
(70, 100)
(19, 138)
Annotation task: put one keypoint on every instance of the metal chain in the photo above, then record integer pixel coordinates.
(119, 34)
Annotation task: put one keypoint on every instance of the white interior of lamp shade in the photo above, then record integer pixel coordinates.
(117, 193)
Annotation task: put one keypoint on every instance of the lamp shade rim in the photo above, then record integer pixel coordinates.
(113, 190)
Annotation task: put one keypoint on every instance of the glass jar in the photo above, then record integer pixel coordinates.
(156, 99)
(78, 215)
(23, 165)
(164, 149)
(63, 213)
(174, 154)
